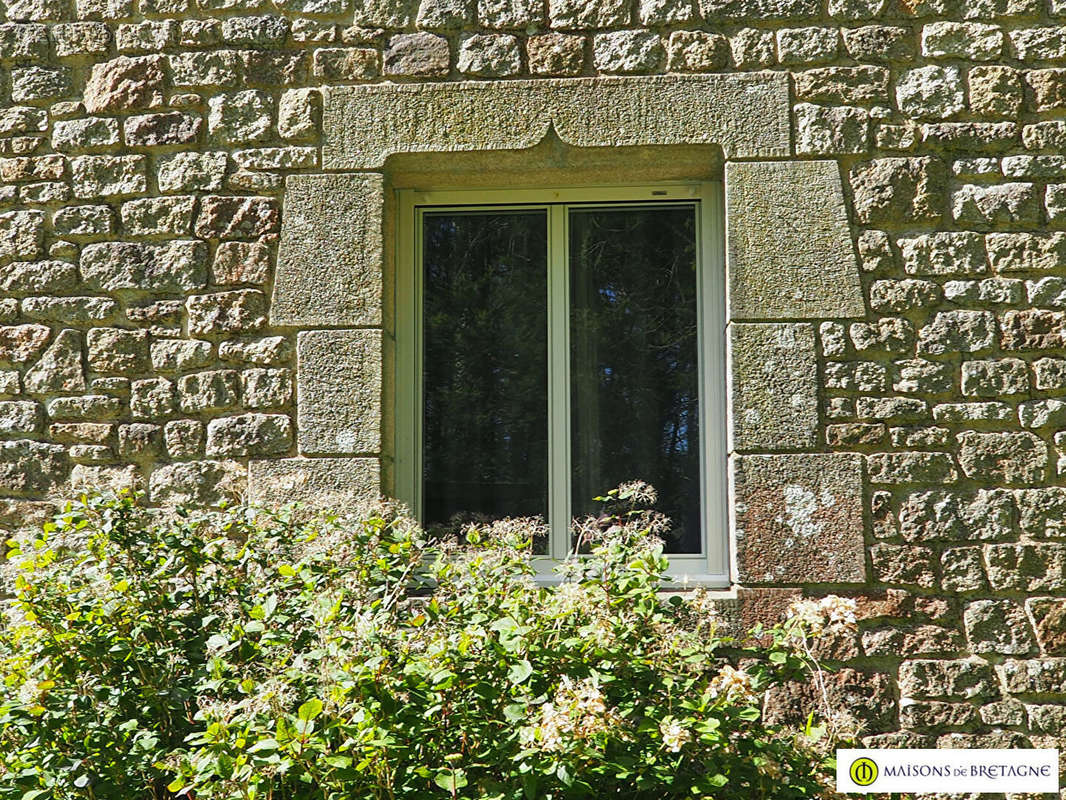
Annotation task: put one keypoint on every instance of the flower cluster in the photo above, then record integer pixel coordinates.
(572, 598)
(731, 683)
(638, 493)
(29, 693)
(703, 602)
(675, 736)
(828, 612)
(578, 713)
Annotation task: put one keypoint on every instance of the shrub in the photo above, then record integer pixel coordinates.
(247, 654)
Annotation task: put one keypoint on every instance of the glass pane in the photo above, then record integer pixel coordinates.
(485, 367)
(634, 365)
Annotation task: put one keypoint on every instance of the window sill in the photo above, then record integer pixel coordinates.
(677, 580)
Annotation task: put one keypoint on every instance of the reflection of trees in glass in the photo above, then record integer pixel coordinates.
(485, 372)
(634, 359)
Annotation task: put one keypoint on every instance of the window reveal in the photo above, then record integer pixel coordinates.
(561, 349)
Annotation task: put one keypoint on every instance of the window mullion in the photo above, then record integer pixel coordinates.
(558, 384)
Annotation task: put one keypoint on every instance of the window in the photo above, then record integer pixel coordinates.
(553, 344)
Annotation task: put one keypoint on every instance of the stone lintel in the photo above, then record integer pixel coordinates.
(334, 484)
(788, 242)
(330, 258)
(798, 519)
(339, 392)
(773, 386)
(746, 114)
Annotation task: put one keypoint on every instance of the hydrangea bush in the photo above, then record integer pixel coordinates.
(244, 654)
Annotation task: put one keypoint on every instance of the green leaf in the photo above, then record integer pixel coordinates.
(309, 710)
(564, 775)
(514, 712)
(340, 762)
(451, 780)
(520, 672)
(503, 625)
(224, 765)
(530, 786)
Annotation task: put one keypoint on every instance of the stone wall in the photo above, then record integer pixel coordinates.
(143, 162)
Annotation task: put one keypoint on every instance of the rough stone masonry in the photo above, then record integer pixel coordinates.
(148, 339)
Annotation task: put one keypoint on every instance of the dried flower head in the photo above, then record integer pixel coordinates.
(638, 493)
(830, 611)
(840, 611)
(733, 684)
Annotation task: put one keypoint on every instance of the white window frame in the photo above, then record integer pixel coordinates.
(711, 567)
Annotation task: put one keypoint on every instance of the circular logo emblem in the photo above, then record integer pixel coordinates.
(863, 771)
